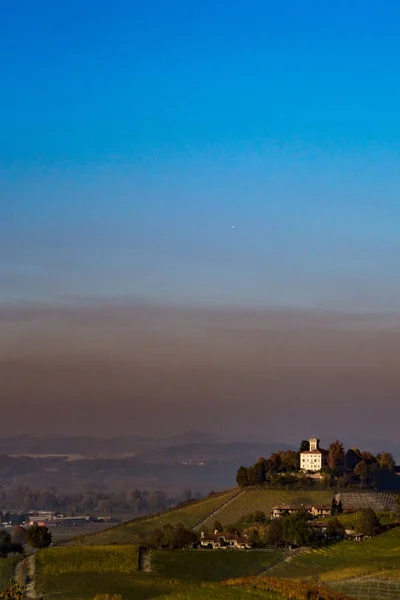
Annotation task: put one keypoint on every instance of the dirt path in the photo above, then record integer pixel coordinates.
(30, 581)
(24, 575)
(217, 510)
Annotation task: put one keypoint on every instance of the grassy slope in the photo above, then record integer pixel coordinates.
(208, 565)
(127, 533)
(6, 571)
(377, 556)
(264, 499)
(80, 573)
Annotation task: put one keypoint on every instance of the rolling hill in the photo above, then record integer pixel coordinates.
(190, 516)
(228, 507)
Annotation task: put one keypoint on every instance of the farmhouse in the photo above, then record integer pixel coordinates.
(321, 510)
(315, 458)
(282, 510)
(316, 510)
(224, 539)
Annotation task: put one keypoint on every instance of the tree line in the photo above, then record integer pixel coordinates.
(36, 536)
(134, 502)
(343, 468)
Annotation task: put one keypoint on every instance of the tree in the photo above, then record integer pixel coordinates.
(351, 459)
(369, 459)
(296, 530)
(361, 470)
(339, 507)
(290, 460)
(5, 543)
(259, 471)
(368, 522)
(273, 536)
(38, 536)
(335, 455)
(18, 535)
(304, 446)
(334, 528)
(255, 538)
(242, 478)
(218, 526)
(386, 461)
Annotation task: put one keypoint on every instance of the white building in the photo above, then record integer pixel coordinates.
(315, 458)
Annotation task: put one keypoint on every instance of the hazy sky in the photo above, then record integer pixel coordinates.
(133, 135)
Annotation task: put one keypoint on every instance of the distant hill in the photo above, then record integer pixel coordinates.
(200, 461)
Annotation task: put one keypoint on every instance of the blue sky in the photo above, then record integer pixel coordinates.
(133, 135)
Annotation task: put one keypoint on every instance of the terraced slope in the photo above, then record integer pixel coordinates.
(263, 499)
(127, 533)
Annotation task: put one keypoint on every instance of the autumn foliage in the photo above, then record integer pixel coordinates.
(291, 590)
(13, 592)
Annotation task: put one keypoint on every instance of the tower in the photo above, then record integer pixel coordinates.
(314, 443)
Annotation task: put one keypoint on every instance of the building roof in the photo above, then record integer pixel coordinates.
(292, 507)
(228, 537)
(316, 451)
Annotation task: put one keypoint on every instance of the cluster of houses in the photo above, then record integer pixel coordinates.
(226, 540)
(316, 510)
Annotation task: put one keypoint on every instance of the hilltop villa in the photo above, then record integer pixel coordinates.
(315, 458)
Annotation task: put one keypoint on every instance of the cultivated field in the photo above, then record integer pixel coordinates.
(81, 573)
(369, 589)
(264, 499)
(211, 565)
(127, 533)
(375, 557)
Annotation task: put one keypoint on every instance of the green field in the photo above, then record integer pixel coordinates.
(82, 572)
(6, 570)
(378, 556)
(264, 499)
(211, 565)
(127, 533)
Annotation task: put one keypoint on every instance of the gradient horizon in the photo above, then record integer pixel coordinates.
(133, 136)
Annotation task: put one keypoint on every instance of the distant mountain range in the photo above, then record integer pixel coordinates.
(200, 460)
(191, 445)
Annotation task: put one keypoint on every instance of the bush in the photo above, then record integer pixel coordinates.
(38, 536)
(13, 592)
(368, 522)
